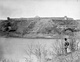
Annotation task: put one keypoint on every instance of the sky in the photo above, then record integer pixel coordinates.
(41, 8)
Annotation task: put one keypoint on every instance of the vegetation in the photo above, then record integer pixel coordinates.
(57, 54)
(21, 27)
(28, 27)
(37, 50)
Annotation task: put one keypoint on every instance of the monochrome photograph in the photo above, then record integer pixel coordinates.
(39, 30)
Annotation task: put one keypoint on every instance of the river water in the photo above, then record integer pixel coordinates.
(14, 47)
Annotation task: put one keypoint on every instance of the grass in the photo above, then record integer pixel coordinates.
(72, 57)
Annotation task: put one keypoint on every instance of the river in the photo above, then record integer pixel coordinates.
(14, 47)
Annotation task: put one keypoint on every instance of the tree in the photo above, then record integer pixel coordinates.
(30, 51)
(58, 48)
(8, 27)
(38, 51)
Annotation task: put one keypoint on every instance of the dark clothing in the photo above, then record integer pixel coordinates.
(66, 43)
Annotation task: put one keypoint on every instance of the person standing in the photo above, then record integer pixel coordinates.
(66, 44)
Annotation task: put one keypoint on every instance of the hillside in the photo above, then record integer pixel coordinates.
(38, 26)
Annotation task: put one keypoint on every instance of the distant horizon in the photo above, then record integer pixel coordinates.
(40, 17)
